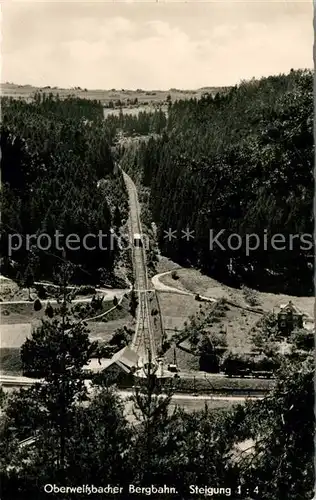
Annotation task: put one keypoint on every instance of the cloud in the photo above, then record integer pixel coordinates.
(137, 46)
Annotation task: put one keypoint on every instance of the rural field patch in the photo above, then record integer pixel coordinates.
(176, 309)
(197, 283)
(100, 330)
(185, 360)
(10, 361)
(14, 335)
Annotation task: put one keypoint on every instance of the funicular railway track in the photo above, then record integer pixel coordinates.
(143, 341)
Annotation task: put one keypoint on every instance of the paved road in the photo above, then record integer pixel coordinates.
(143, 340)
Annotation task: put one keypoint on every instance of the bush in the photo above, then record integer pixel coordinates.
(37, 305)
(238, 363)
(86, 290)
(10, 360)
(251, 296)
(303, 339)
(41, 292)
(216, 319)
(49, 311)
(174, 275)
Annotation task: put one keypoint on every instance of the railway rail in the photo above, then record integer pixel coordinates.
(143, 342)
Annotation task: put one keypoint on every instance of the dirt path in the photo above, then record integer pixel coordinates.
(159, 286)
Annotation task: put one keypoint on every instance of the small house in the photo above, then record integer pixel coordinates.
(119, 369)
(289, 318)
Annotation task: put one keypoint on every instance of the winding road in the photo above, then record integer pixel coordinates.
(158, 285)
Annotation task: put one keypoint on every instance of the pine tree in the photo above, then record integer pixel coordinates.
(28, 279)
(151, 403)
(57, 352)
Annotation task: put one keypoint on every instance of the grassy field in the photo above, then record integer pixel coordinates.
(103, 328)
(185, 360)
(195, 282)
(164, 264)
(122, 311)
(234, 325)
(104, 331)
(9, 290)
(21, 313)
(176, 309)
(18, 320)
(10, 361)
(25, 313)
(237, 320)
(14, 335)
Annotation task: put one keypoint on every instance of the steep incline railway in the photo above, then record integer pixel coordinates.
(143, 340)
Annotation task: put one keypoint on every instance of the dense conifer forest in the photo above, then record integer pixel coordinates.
(54, 152)
(241, 162)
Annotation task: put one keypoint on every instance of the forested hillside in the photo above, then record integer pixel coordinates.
(142, 123)
(54, 152)
(239, 162)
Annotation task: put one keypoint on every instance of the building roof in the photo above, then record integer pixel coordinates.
(127, 357)
(97, 365)
(290, 307)
(121, 365)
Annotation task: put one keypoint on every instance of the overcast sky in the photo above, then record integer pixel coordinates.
(150, 45)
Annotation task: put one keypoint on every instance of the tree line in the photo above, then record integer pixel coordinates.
(140, 123)
(241, 162)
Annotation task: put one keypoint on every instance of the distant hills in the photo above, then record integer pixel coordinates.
(26, 92)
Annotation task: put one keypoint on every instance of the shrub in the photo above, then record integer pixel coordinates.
(37, 305)
(216, 320)
(86, 290)
(41, 292)
(49, 311)
(251, 296)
